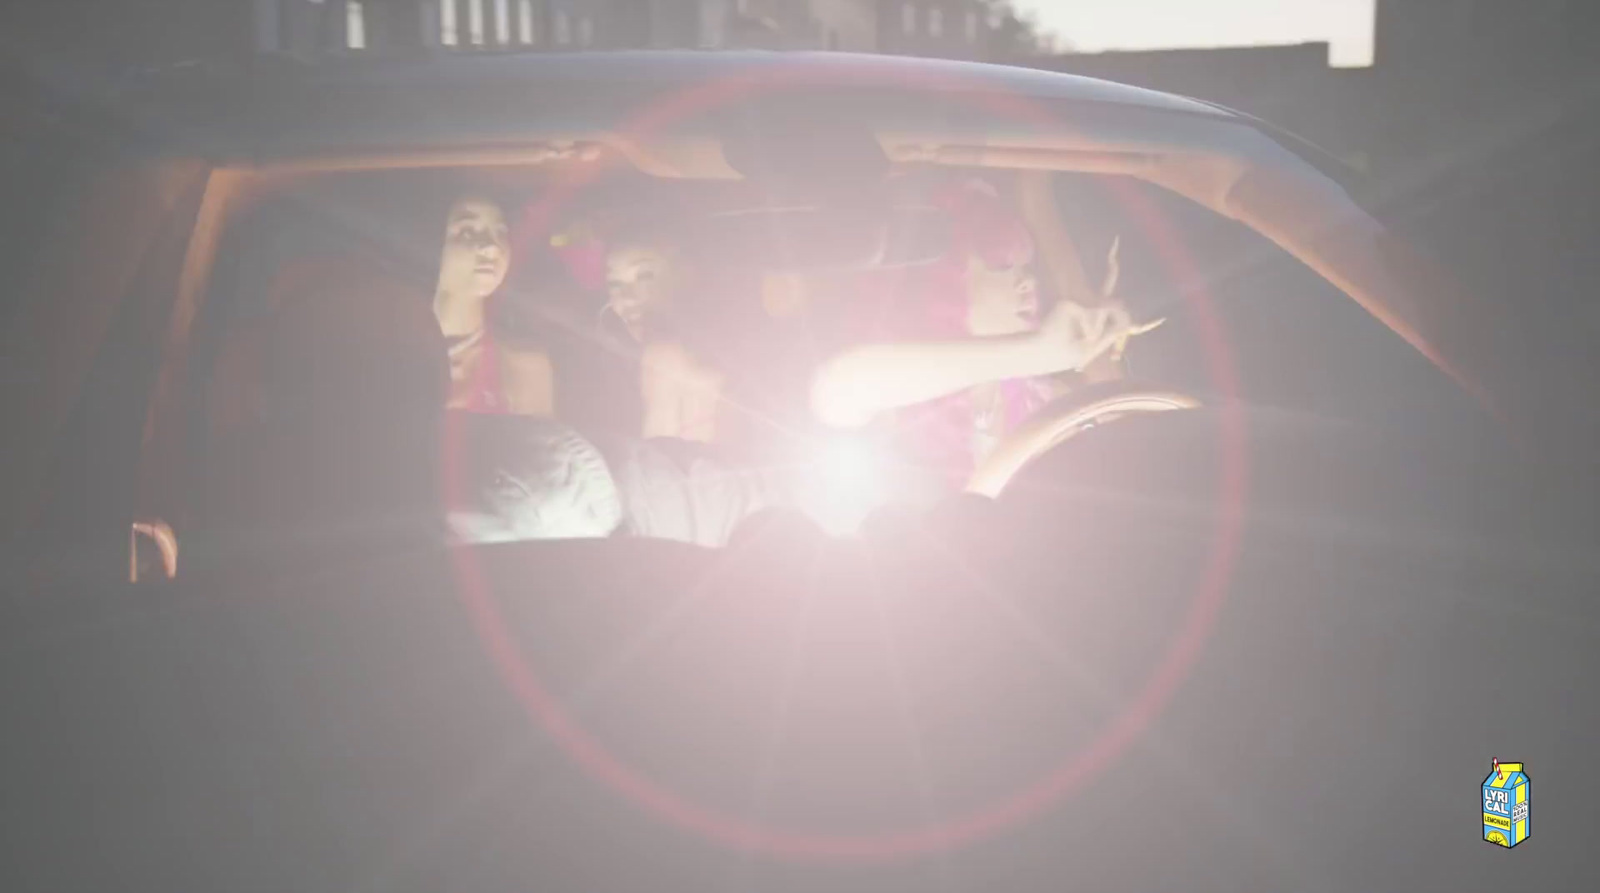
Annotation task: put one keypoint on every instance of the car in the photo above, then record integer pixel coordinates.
(1253, 615)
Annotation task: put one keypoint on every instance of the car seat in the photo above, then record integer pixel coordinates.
(351, 376)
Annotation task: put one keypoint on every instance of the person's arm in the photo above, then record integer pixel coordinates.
(857, 385)
(854, 387)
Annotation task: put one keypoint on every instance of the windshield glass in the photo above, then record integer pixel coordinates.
(619, 354)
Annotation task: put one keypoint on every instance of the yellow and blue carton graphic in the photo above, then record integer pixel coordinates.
(1505, 805)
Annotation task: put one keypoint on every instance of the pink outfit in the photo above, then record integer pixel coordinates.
(583, 260)
(485, 395)
(930, 304)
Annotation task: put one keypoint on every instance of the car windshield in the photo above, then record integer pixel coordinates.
(836, 491)
(617, 354)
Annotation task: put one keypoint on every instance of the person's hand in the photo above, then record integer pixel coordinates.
(1073, 336)
(1108, 290)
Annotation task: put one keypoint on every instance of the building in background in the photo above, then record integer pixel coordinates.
(849, 26)
(1537, 38)
(305, 28)
(958, 29)
(1477, 116)
(949, 29)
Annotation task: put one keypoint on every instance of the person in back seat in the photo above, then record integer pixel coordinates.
(512, 470)
(487, 374)
(710, 371)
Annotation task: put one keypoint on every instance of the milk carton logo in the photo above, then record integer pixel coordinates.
(1505, 805)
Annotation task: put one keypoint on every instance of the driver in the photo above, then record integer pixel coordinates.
(962, 354)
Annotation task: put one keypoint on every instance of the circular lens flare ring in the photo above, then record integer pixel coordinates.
(1076, 768)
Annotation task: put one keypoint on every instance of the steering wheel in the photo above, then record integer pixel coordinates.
(1061, 420)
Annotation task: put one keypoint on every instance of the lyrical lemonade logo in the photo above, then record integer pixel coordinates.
(1505, 805)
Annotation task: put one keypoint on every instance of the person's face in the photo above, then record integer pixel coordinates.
(476, 249)
(639, 281)
(1002, 298)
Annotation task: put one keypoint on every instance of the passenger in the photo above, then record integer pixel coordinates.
(651, 291)
(963, 356)
(512, 470)
(487, 373)
(686, 479)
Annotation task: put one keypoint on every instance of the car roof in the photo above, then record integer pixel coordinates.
(676, 69)
(285, 106)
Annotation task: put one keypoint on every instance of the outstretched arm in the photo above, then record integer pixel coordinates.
(857, 385)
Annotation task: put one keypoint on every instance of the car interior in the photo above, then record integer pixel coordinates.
(1150, 656)
(316, 319)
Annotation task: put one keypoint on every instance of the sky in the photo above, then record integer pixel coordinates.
(1093, 25)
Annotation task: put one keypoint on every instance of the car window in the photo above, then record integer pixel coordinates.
(1294, 340)
(664, 342)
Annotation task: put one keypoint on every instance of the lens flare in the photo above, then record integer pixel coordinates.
(848, 478)
(1075, 769)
